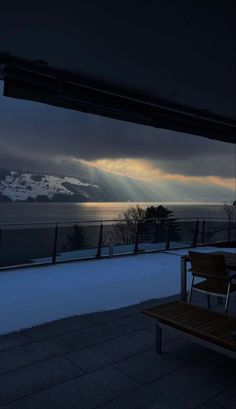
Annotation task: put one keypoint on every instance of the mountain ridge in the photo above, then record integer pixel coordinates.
(82, 183)
(25, 186)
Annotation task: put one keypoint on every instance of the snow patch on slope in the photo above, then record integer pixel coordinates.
(21, 186)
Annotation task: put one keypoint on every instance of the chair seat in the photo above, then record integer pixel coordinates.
(214, 286)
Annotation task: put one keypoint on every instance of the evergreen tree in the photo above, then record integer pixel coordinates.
(160, 223)
(75, 240)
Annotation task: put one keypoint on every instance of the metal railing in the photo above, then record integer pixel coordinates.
(43, 243)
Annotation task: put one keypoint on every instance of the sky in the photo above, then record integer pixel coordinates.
(32, 132)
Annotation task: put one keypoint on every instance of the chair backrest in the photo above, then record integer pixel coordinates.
(207, 265)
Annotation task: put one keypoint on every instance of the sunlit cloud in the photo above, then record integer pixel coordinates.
(138, 169)
(145, 170)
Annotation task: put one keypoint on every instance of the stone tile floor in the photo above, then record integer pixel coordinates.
(107, 360)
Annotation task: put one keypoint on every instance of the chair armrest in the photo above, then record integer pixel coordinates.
(215, 276)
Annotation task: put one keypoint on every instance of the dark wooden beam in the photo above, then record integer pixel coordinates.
(36, 81)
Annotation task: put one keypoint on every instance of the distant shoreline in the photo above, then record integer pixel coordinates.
(189, 202)
(37, 212)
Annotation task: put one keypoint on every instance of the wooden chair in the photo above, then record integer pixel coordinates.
(216, 281)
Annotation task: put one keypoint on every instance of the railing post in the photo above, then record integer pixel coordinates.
(203, 231)
(195, 237)
(229, 230)
(168, 236)
(100, 241)
(111, 250)
(0, 239)
(54, 254)
(136, 249)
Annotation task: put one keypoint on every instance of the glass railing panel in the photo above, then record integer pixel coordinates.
(26, 244)
(219, 230)
(153, 235)
(118, 238)
(77, 241)
(182, 233)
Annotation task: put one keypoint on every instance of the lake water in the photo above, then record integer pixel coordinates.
(71, 212)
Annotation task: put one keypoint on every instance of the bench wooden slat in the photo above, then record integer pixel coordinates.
(207, 325)
(198, 319)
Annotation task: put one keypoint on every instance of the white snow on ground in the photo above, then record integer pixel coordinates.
(36, 295)
(19, 186)
(91, 252)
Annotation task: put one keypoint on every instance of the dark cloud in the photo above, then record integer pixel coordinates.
(221, 164)
(33, 131)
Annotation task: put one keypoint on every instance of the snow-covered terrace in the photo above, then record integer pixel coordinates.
(35, 295)
(103, 356)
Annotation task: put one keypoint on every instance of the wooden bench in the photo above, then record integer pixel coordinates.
(214, 330)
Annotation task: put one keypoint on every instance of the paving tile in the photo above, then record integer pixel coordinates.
(108, 360)
(157, 395)
(157, 301)
(149, 303)
(204, 379)
(185, 351)
(104, 385)
(92, 358)
(128, 345)
(36, 377)
(55, 328)
(137, 308)
(139, 321)
(127, 311)
(13, 340)
(111, 351)
(26, 354)
(224, 400)
(95, 334)
(102, 317)
(116, 328)
(63, 396)
(147, 367)
(84, 338)
(168, 335)
(227, 399)
(211, 404)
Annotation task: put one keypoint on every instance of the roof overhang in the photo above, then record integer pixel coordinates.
(198, 101)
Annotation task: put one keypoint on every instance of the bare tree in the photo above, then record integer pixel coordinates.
(124, 230)
(230, 213)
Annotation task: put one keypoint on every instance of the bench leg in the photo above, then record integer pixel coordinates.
(208, 301)
(158, 339)
(227, 298)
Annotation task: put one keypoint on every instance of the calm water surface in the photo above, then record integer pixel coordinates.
(71, 212)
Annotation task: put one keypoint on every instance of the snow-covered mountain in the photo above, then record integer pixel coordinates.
(17, 186)
(25, 185)
(86, 184)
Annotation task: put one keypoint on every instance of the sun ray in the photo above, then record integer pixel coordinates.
(145, 170)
